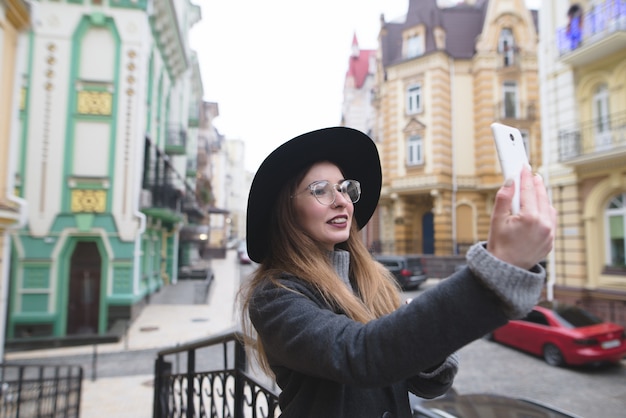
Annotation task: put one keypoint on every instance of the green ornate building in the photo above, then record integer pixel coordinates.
(110, 94)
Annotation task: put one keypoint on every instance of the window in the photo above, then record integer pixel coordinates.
(415, 46)
(536, 317)
(601, 119)
(414, 99)
(506, 46)
(510, 107)
(415, 150)
(615, 216)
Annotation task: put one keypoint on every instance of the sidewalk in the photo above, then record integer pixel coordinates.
(158, 325)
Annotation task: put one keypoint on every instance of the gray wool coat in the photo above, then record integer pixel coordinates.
(328, 365)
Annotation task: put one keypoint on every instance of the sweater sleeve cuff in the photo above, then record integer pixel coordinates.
(446, 371)
(518, 289)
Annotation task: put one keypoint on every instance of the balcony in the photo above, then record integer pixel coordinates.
(193, 120)
(509, 59)
(596, 141)
(166, 193)
(511, 113)
(598, 33)
(192, 168)
(176, 141)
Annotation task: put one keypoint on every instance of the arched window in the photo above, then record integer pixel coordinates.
(615, 221)
(506, 46)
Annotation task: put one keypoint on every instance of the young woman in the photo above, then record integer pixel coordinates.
(328, 319)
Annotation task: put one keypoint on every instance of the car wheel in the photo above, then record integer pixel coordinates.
(553, 356)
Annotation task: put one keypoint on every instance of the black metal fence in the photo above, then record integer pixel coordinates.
(186, 384)
(39, 391)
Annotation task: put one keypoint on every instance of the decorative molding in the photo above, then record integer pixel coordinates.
(169, 38)
(88, 201)
(94, 103)
(421, 182)
(128, 133)
(50, 59)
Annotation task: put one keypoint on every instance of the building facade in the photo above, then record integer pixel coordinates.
(109, 107)
(358, 112)
(583, 61)
(238, 181)
(14, 20)
(444, 75)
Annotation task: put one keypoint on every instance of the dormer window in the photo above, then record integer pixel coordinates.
(414, 46)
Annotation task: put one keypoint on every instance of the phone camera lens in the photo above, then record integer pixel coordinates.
(511, 137)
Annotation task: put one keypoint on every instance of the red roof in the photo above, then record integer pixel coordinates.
(358, 64)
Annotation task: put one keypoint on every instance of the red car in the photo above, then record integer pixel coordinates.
(564, 335)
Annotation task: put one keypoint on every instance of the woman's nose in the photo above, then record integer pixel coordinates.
(340, 199)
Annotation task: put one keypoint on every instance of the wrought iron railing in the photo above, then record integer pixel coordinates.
(592, 137)
(40, 391)
(163, 185)
(515, 111)
(601, 20)
(188, 384)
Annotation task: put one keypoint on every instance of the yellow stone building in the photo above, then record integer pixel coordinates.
(583, 57)
(444, 75)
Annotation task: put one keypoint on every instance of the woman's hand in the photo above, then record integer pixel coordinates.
(526, 238)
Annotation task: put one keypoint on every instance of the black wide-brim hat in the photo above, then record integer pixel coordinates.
(351, 150)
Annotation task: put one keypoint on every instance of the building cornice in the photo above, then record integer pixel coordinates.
(18, 13)
(169, 37)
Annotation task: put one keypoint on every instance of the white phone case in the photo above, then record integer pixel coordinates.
(512, 156)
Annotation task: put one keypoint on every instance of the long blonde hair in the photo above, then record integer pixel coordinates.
(291, 250)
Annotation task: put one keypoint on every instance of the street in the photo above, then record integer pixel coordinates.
(586, 391)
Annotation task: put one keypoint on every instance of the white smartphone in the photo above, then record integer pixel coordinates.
(512, 156)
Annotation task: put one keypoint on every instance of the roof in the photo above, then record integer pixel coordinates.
(462, 24)
(358, 64)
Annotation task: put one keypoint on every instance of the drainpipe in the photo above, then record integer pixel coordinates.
(545, 151)
(141, 218)
(137, 251)
(455, 249)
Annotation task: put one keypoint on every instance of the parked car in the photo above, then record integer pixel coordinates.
(242, 253)
(564, 335)
(407, 270)
(482, 405)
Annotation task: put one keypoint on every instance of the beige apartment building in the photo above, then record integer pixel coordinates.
(583, 61)
(444, 75)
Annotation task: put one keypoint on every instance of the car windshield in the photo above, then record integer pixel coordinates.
(574, 317)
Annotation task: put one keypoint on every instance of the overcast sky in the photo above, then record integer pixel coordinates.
(276, 68)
